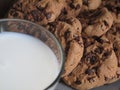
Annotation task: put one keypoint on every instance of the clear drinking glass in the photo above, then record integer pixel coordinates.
(26, 27)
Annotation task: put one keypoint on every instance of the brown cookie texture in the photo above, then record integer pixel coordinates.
(28, 11)
(114, 7)
(99, 23)
(88, 7)
(41, 12)
(34, 15)
(51, 8)
(91, 4)
(95, 67)
(72, 9)
(114, 36)
(69, 34)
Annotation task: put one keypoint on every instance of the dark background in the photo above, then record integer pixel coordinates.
(4, 6)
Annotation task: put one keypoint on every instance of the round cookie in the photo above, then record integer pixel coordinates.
(69, 34)
(97, 67)
(100, 22)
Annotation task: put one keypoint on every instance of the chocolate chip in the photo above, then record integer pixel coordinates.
(105, 23)
(107, 54)
(69, 21)
(118, 75)
(115, 49)
(87, 41)
(12, 11)
(116, 1)
(71, 5)
(106, 79)
(77, 7)
(85, 2)
(109, 7)
(67, 34)
(77, 38)
(67, 47)
(90, 58)
(118, 9)
(91, 79)
(98, 39)
(48, 15)
(19, 5)
(64, 11)
(89, 71)
(114, 33)
(53, 24)
(39, 8)
(15, 14)
(93, 60)
(70, 74)
(118, 63)
(95, 70)
(26, 17)
(118, 29)
(78, 82)
(99, 50)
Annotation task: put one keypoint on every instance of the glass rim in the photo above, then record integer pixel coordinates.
(57, 42)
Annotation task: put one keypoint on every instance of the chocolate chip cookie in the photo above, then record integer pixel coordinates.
(100, 22)
(91, 4)
(95, 67)
(69, 34)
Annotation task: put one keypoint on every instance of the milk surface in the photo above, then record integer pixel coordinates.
(26, 63)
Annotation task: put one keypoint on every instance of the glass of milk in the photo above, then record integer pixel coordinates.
(31, 58)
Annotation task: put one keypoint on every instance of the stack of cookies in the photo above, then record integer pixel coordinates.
(89, 32)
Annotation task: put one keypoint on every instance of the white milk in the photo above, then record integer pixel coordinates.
(26, 63)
